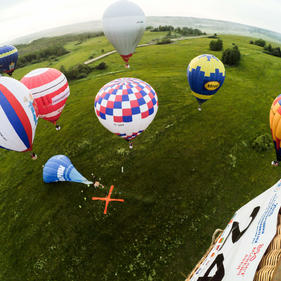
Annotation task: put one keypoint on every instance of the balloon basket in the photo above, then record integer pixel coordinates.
(34, 156)
(127, 66)
(199, 108)
(275, 163)
(58, 127)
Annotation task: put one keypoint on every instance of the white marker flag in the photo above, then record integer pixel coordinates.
(238, 252)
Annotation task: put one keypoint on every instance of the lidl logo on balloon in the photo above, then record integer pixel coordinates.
(212, 85)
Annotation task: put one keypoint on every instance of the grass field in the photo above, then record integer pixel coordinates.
(185, 177)
(80, 51)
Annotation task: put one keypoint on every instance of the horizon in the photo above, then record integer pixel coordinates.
(17, 24)
(13, 41)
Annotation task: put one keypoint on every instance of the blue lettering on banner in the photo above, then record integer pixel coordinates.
(262, 222)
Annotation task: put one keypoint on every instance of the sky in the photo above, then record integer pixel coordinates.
(23, 17)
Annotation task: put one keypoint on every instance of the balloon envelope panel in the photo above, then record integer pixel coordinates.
(126, 106)
(275, 123)
(50, 90)
(17, 115)
(8, 58)
(205, 74)
(124, 25)
(60, 168)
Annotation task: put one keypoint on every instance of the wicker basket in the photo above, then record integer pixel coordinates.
(215, 238)
(269, 268)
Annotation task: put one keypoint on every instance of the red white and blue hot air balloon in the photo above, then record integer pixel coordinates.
(126, 106)
(50, 90)
(18, 119)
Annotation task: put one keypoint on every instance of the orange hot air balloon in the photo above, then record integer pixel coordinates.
(275, 127)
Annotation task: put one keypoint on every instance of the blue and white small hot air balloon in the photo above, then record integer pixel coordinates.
(8, 59)
(60, 168)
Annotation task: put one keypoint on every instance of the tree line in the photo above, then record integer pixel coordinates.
(80, 71)
(184, 31)
(267, 49)
(49, 48)
(51, 52)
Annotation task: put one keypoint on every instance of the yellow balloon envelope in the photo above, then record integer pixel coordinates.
(205, 74)
(275, 125)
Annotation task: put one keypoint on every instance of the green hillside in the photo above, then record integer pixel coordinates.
(185, 177)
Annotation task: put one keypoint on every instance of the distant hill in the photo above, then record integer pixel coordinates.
(207, 25)
(216, 26)
(91, 26)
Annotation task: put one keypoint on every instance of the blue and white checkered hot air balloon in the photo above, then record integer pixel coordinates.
(8, 59)
(205, 74)
(126, 106)
(60, 168)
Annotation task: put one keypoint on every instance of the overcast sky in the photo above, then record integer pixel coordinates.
(22, 17)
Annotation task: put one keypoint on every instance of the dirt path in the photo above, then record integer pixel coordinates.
(142, 45)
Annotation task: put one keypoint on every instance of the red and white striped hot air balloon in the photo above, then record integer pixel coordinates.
(50, 90)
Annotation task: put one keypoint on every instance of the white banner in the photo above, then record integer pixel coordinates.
(238, 252)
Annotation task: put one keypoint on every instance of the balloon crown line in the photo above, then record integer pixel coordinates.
(108, 199)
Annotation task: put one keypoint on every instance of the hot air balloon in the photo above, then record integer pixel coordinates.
(60, 168)
(17, 115)
(126, 107)
(205, 74)
(275, 127)
(124, 25)
(50, 90)
(8, 59)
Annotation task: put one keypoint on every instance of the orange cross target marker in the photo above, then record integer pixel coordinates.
(107, 199)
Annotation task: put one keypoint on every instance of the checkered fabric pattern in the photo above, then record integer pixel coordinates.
(126, 101)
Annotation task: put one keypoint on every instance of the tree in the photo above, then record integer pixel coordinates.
(231, 56)
(260, 42)
(101, 66)
(276, 52)
(164, 41)
(216, 45)
(269, 48)
(62, 69)
(76, 72)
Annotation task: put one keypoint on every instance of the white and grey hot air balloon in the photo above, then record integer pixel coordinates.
(124, 25)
